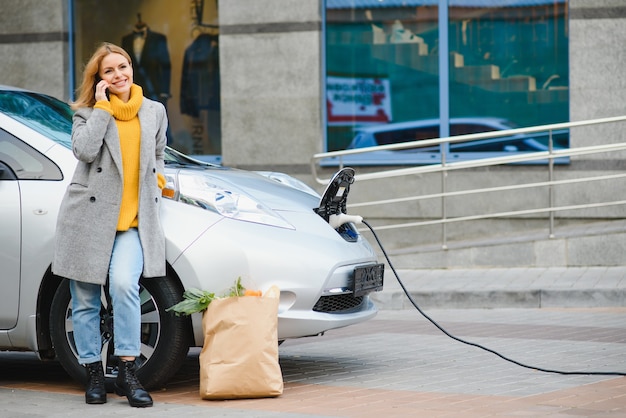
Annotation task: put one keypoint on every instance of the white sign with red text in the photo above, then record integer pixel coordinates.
(358, 100)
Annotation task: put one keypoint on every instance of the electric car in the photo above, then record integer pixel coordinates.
(220, 224)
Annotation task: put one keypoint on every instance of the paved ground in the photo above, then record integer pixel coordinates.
(396, 365)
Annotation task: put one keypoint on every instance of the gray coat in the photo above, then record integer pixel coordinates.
(88, 215)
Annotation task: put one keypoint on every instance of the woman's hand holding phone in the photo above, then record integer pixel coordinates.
(101, 91)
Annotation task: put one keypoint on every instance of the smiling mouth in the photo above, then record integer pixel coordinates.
(120, 83)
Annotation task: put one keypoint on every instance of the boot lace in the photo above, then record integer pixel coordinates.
(96, 377)
(131, 379)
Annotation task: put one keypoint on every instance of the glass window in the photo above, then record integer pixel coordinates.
(508, 67)
(27, 163)
(510, 61)
(175, 50)
(44, 114)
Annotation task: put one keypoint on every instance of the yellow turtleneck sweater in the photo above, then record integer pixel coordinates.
(129, 129)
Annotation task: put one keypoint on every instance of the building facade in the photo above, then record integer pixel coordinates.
(255, 83)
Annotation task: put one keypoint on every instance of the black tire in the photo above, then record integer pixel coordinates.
(165, 337)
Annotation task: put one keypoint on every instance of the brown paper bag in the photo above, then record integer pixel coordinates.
(239, 358)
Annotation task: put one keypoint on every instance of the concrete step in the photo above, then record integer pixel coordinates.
(583, 265)
(592, 244)
(497, 288)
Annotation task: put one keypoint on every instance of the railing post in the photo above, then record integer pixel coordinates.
(444, 212)
(444, 106)
(551, 186)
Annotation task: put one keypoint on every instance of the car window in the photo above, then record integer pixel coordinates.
(26, 162)
(44, 114)
(469, 128)
(407, 135)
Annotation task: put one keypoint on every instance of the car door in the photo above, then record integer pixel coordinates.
(10, 237)
(31, 189)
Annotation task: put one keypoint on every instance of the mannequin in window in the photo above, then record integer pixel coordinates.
(200, 78)
(200, 86)
(151, 60)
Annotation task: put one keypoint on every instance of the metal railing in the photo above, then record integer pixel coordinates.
(443, 167)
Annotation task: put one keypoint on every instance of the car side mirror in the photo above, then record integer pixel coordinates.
(6, 172)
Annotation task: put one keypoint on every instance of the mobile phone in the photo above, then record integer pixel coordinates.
(106, 91)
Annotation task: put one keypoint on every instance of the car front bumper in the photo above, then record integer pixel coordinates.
(311, 265)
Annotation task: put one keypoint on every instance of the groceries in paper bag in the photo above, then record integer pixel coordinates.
(239, 358)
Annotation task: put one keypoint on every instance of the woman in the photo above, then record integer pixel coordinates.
(108, 226)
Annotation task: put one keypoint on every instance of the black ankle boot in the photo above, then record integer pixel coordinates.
(128, 385)
(96, 392)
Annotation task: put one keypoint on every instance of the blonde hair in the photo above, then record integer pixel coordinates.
(86, 91)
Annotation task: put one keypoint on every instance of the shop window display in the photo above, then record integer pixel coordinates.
(175, 52)
(508, 60)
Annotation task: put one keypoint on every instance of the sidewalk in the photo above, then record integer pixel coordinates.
(396, 365)
(586, 287)
(399, 364)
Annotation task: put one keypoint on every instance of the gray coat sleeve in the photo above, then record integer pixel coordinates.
(161, 138)
(88, 130)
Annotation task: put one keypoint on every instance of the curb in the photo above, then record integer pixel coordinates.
(491, 288)
(498, 299)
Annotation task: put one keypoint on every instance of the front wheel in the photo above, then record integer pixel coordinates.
(164, 336)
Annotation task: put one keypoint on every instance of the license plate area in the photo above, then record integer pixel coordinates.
(368, 279)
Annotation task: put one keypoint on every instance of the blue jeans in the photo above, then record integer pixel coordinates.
(125, 268)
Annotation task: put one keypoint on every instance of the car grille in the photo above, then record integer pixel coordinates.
(337, 303)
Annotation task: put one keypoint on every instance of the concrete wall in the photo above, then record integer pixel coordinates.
(34, 45)
(597, 77)
(270, 66)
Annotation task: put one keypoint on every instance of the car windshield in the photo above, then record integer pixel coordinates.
(44, 114)
(53, 118)
(173, 157)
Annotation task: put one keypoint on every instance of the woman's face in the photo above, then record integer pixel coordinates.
(118, 73)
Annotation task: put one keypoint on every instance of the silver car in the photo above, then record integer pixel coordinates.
(220, 224)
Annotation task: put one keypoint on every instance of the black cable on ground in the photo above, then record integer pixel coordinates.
(432, 321)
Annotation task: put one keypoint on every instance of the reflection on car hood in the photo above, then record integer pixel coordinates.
(271, 193)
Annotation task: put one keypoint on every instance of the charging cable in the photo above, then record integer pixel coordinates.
(344, 217)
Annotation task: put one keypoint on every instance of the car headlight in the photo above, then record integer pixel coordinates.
(210, 193)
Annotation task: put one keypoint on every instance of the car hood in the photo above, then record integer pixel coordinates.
(275, 195)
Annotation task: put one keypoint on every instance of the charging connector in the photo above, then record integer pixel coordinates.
(336, 220)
